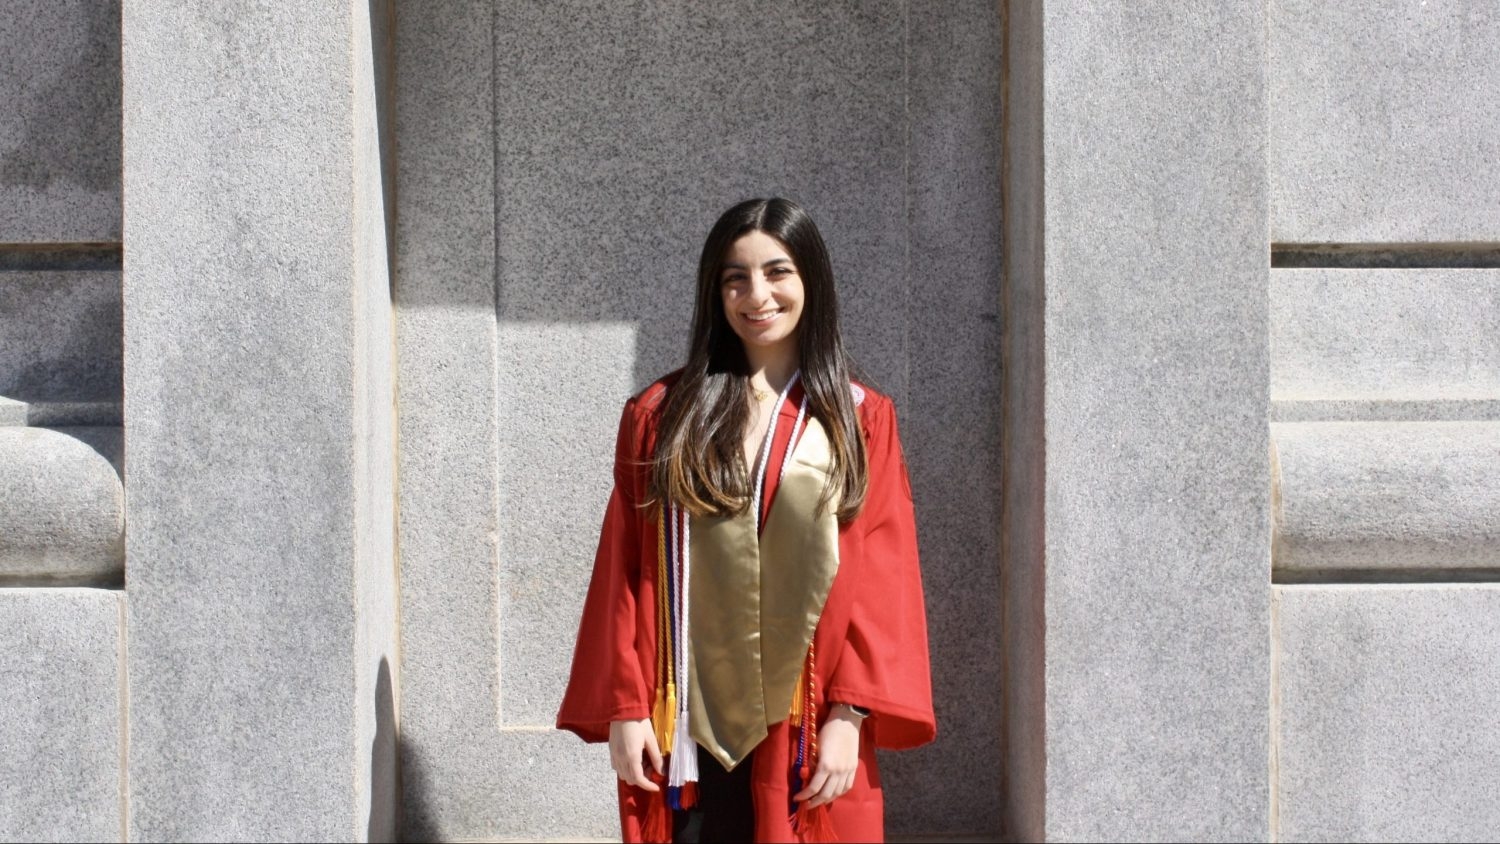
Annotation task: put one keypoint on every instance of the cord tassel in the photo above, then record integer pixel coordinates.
(664, 719)
(657, 827)
(665, 707)
(813, 825)
(796, 714)
(684, 763)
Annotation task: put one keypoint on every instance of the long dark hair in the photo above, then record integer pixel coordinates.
(700, 457)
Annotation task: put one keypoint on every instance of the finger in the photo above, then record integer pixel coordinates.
(638, 778)
(818, 799)
(653, 751)
(827, 793)
(818, 781)
(838, 785)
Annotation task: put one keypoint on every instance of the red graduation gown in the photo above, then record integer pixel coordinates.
(871, 639)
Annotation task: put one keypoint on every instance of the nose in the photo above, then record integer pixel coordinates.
(760, 287)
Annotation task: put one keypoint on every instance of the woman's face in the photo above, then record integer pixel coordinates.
(762, 293)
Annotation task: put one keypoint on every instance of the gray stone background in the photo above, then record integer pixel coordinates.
(1190, 315)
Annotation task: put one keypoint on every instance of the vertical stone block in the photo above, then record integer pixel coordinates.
(61, 740)
(1023, 527)
(950, 417)
(1146, 542)
(60, 127)
(260, 557)
(1385, 717)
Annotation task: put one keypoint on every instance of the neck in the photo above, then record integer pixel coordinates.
(771, 368)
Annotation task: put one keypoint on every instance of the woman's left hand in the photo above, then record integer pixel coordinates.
(838, 758)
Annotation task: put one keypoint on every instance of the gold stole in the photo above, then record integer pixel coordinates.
(754, 603)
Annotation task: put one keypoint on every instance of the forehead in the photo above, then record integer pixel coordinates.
(755, 249)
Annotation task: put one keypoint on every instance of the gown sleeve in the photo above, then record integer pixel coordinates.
(883, 664)
(607, 682)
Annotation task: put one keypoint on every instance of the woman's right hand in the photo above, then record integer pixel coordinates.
(628, 741)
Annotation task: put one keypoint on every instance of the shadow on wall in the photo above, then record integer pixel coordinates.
(385, 763)
(386, 821)
(79, 143)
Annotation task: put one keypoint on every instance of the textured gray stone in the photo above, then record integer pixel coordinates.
(1381, 124)
(454, 756)
(259, 474)
(548, 787)
(950, 415)
(60, 337)
(60, 127)
(12, 412)
(1384, 335)
(62, 509)
(1387, 495)
(1144, 237)
(560, 390)
(1384, 410)
(107, 440)
(1023, 525)
(623, 131)
(1385, 712)
(61, 740)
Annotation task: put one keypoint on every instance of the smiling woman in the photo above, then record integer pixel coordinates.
(763, 297)
(754, 627)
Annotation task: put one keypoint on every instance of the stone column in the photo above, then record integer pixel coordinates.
(258, 353)
(61, 503)
(1136, 517)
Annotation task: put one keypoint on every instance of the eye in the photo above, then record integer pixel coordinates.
(782, 270)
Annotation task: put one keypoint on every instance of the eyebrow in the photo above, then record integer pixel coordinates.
(730, 265)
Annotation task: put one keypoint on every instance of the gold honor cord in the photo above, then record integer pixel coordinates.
(755, 602)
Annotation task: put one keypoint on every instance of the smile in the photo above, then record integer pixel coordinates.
(763, 316)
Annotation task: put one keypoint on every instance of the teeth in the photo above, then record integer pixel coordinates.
(761, 317)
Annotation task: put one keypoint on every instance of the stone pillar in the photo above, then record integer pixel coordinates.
(258, 351)
(61, 503)
(1137, 507)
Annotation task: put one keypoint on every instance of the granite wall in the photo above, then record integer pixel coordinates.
(1385, 409)
(1191, 315)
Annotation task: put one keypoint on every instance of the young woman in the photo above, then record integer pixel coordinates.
(754, 627)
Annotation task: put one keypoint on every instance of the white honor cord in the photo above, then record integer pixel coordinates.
(765, 449)
(684, 768)
(786, 459)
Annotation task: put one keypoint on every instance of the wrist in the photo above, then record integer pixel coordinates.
(860, 713)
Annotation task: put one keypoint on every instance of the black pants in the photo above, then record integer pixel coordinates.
(724, 811)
